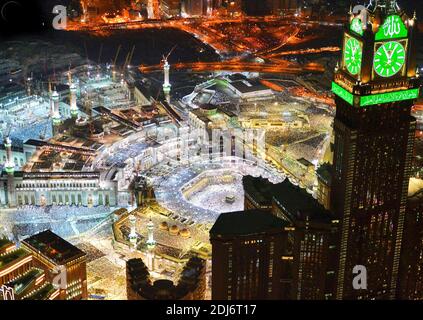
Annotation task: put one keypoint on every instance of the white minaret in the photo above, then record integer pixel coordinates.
(151, 244)
(55, 100)
(166, 84)
(72, 98)
(9, 166)
(133, 238)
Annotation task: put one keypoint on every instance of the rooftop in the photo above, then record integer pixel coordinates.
(294, 200)
(246, 223)
(299, 204)
(244, 86)
(54, 247)
(259, 189)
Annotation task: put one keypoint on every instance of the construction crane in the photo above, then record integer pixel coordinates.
(99, 58)
(117, 54)
(114, 62)
(168, 55)
(129, 58)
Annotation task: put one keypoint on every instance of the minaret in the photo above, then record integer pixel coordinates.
(166, 85)
(9, 167)
(133, 238)
(51, 99)
(151, 244)
(72, 98)
(55, 112)
(28, 86)
(73, 106)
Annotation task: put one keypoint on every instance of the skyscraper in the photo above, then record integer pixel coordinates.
(311, 248)
(44, 267)
(411, 271)
(375, 87)
(247, 259)
(51, 252)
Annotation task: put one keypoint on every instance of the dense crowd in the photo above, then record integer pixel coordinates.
(66, 221)
(204, 208)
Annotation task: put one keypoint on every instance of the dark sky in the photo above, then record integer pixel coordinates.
(17, 16)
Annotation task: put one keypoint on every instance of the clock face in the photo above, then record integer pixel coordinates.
(353, 56)
(389, 59)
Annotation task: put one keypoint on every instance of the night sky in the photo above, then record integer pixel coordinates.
(19, 16)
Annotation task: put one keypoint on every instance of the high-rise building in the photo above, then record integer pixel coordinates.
(248, 256)
(32, 271)
(411, 266)
(324, 180)
(57, 257)
(311, 236)
(375, 87)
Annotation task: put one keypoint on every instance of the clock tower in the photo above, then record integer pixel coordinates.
(375, 85)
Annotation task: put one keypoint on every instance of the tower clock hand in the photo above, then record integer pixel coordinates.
(387, 53)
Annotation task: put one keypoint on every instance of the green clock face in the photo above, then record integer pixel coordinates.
(353, 56)
(389, 59)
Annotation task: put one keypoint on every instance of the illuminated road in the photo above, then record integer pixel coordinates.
(282, 66)
(225, 36)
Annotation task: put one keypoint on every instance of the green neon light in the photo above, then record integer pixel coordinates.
(357, 26)
(375, 98)
(342, 93)
(389, 97)
(392, 28)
